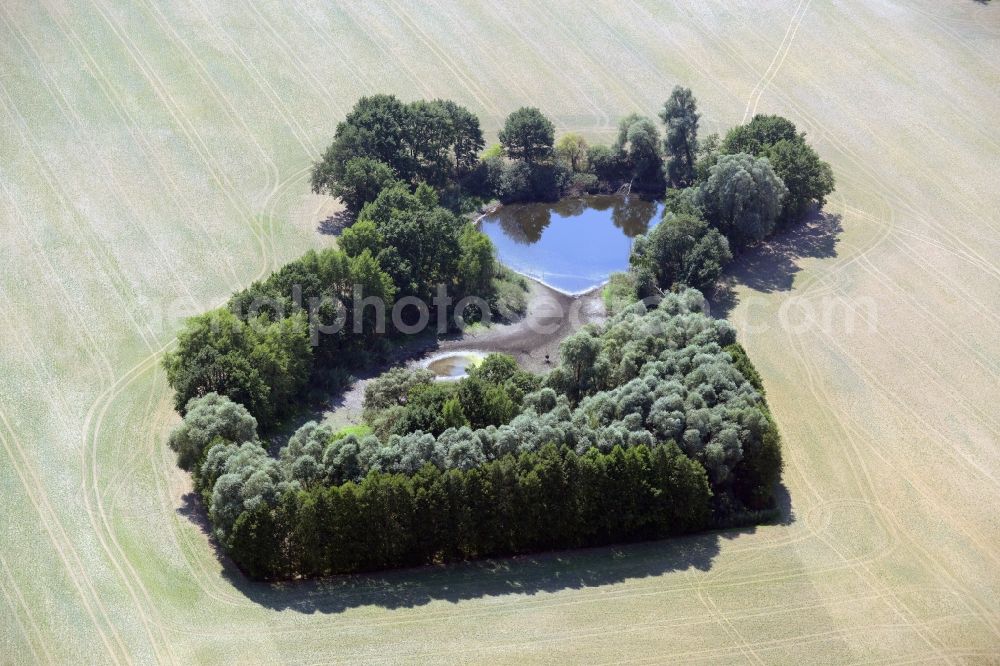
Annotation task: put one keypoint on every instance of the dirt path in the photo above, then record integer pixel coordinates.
(551, 316)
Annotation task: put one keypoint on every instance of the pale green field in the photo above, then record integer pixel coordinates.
(153, 157)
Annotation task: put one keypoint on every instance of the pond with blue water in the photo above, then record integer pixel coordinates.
(574, 244)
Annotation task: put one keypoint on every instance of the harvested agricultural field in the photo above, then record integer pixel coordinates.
(154, 157)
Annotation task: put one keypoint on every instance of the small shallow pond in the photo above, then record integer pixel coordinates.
(454, 365)
(574, 244)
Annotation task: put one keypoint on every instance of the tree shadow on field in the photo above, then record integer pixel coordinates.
(529, 575)
(336, 223)
(771, 266)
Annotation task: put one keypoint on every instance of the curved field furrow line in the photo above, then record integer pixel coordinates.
(953, 284)
(952, 19)
(890, 396)
(854, 436)
(170, 104)
(775, 64)
(956, 38)
(812, 382)
(121, 559)
(862, 166)
(884, 187)
(126, 468)
(888, 341)
(460, 24)
(598, 64)
(274, 199)
(887, 515)
(342, 56)
(865, 263)
(34, 636)
(585, 54)
(484, 100)
(943, 330)
(931, 179)
(651, 21)
(113, 539)
(99, 359)
(957, 588)
(146, 609)
(865, 484)
(301, 136)
(375, 35)
(900, 243)
(727, 626)
(26, 633)
(597, 596)
(930, 129)
(483, 97)
(617, 633)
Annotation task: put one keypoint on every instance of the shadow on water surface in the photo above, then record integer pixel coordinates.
(771, 266)
(525, 575)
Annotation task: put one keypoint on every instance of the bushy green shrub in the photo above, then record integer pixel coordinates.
(209, 419)
(620, 292)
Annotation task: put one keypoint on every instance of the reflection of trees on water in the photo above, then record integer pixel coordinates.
(632, 215)
(570, 207)
(524, 223)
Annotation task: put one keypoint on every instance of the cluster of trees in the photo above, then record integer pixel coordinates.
(404, 401)
(653, 423)
(308, 323)
(383, 141)
(759, 175)
(725, 196)
(650, 425)
(552, 498)
(530, 165)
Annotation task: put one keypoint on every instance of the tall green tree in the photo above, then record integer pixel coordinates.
(757, 136)
(527, 135)
(572, 149)
(261, 364)
(377, 127)
(742, 198)
(209, 417)
(808, 178)
(361, 182)
(466, 137)
(680, 115)
(683, 250)
(639, 143)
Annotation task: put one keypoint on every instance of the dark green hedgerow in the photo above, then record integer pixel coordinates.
(541, 500)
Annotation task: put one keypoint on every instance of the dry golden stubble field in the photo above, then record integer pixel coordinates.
(154, 157)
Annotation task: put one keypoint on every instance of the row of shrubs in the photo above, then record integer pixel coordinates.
(553, 498)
